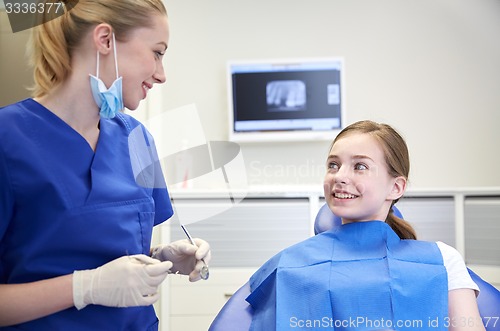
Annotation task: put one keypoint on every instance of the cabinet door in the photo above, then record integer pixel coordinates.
(251, 232)
(193, 306)
(482, 231)
(432, 218)
(242, 238)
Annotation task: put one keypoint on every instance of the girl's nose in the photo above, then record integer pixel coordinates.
(342, 176)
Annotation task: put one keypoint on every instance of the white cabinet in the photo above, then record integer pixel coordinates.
(432, 218)
(249, 233)
(241, 238)
(193, 306)
(482, 230)
(481, 236)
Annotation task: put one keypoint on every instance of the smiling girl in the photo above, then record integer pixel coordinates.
(370, 273)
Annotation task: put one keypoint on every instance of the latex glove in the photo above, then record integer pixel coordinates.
(186, 257)
(125, 282)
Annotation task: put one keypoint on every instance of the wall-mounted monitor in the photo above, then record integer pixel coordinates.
(285, 100)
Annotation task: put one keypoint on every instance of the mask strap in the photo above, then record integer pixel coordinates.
(116, 59)
(97, 69)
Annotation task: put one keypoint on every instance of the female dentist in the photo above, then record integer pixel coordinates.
(75, 224)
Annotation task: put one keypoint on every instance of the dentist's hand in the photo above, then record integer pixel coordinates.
(125, 282)
(187, 258)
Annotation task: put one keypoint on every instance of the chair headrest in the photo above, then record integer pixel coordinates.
(326, 220)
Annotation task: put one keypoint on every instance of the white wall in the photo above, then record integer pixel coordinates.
(431, 68)
(15, 74)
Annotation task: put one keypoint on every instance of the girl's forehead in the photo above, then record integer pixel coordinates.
(356, 139)
(357, 143)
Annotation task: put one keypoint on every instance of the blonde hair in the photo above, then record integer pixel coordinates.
(54, 41)
(397, 160)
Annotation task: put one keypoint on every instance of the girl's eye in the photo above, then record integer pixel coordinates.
(360, 166)
(333, 166)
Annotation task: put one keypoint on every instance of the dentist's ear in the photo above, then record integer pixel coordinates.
(103, 38)
(398, 188)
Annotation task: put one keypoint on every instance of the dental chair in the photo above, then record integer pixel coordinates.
(236, 315)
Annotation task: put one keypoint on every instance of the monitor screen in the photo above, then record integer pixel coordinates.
(285, 100)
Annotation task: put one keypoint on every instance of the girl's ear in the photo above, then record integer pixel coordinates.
(398, 188)
(102, 38)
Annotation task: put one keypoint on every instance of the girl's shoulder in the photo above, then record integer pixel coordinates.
(458, 275)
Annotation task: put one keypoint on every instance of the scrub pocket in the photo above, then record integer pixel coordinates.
(146, 221)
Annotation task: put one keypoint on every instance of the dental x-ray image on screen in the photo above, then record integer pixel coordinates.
(286, 95)
(282, 100)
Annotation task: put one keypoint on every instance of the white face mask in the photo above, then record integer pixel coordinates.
(110, 101)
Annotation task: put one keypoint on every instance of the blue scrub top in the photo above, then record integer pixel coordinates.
(64, 207)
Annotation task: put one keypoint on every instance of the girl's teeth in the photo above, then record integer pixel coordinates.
(344, 196)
